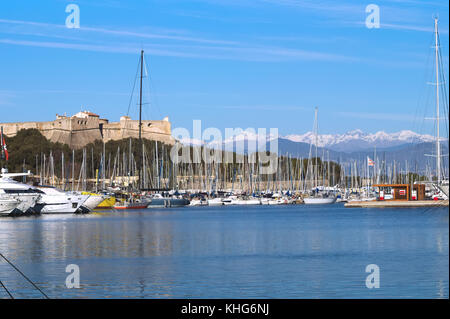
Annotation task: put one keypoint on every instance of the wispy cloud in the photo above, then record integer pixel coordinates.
(377, 116)
(52, 91)
(6, 97)
(403, 27)
(122, 33)
(395, 12)
(177, 46)
(256, 107)
(320, 6)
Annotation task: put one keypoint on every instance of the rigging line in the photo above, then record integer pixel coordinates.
(424, 99)
(444, 88)
(151, 87)
(7, 291)
(17, 269)
(134, 86)
(148, 91)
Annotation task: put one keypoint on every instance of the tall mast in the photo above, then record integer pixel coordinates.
(140, 96)
(140, 112)
(438, 144)
(316, 141)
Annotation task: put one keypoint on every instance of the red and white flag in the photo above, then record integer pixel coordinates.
(3, 145)
(370, 162)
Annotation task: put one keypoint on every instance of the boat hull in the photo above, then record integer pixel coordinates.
(319, 201)
(168, 202)
(7, 206)
(62, 204)
(130, 207)
(135, 205)
(215, 202)
(93, 201)
(107, 203)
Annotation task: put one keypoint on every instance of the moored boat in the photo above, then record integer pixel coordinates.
(157, 200)
(132, 204)
(215, 202)
(7, 206)
(56, 201)
(319, 200)
(93, 201)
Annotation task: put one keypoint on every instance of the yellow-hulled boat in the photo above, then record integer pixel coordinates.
(108, 202)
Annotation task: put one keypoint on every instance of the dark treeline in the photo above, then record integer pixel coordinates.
(30, 150)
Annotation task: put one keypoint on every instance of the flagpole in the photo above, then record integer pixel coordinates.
(3, 152)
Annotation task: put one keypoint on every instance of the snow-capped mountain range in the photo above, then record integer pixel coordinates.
(358, 140)
(351, 141)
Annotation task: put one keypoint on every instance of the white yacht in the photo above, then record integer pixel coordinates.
(26, 195)
(230, 200)
(215, 202)
(248, 201)
(198, 202)
(56, 201)
(319, 200)
(8, 206)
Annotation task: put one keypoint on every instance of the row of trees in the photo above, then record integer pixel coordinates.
(30, 150)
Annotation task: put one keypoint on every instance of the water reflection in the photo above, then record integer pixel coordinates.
(282, 252)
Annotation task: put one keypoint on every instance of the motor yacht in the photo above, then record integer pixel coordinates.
(56, 201)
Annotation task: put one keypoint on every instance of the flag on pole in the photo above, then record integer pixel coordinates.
(4, 148)
(370, 162)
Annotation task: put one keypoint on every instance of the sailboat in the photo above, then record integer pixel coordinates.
(441, 183)
(318, 197)
(132, 202)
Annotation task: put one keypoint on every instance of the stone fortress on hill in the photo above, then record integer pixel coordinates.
(85, 127)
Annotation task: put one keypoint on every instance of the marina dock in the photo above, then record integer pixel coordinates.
(397, 203)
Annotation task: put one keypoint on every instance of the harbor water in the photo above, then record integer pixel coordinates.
(294, 251)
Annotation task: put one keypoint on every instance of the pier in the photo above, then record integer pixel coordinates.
(397, 203)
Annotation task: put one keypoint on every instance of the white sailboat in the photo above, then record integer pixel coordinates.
(441, 181)
(317, 198)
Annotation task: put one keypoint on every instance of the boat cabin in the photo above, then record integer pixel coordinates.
(401, 191)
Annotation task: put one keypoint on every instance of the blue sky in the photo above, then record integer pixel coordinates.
(230, 63)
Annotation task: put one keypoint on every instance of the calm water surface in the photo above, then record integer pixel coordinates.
(231, 252)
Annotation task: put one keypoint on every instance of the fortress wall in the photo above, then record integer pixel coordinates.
(11, 129)
(78, 132)
(152, 130)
